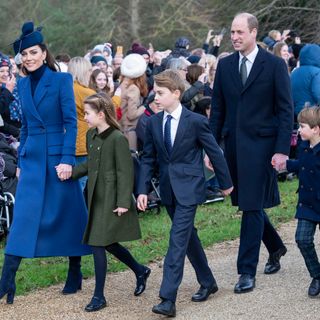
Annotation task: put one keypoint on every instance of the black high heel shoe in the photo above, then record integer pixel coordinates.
(7, 282)
(74, 279)
(142, 281)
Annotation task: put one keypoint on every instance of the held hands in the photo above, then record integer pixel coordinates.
(64, 171)
(120, 211)
(278, 161)
(142, 202)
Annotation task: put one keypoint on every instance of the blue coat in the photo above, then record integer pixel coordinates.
(182, 171)
(49, 215)
(305, 80)
(308, 168)
(255, 122)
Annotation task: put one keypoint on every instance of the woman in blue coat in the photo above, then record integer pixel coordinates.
(49, 215)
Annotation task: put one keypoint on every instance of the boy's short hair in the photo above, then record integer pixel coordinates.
(310, 116)
(171, 80)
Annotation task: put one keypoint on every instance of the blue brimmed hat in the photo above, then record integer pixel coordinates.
(29, 37)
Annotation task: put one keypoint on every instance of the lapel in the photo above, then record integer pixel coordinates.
(159, 131)
(234, 64)
(42, 87)
(182, 126)
(28, 105)
(256, 69)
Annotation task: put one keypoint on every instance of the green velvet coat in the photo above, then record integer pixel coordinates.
(110, 183)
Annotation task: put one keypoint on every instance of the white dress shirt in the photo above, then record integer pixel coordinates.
(176, 114)
(251, 57)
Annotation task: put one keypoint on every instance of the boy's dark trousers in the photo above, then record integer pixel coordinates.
(304, 239)
(183, 241)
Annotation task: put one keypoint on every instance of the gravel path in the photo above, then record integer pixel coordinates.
(279, 296)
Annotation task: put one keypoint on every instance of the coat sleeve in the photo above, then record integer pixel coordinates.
(283, 107)
(215, 154)
(134, 109)
(293, 165)
(124, 171)
(148, 160)
(69, 115)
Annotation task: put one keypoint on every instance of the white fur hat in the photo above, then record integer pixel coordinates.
(133, 66)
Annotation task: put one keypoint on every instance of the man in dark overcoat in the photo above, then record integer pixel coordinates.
(252, 113)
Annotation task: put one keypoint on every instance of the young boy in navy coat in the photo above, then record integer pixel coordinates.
(175, 139)
(308, 208)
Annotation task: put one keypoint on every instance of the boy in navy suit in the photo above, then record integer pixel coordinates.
(308, 208)
(175, 139)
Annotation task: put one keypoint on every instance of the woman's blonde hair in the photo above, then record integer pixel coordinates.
(101, 102)
(80, 68)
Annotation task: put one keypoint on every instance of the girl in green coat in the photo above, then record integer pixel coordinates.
(112, 214)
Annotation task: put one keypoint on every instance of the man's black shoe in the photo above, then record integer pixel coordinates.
(166, 308)
(203, 293)
(314, 288)
(273, 264)
(245, 284)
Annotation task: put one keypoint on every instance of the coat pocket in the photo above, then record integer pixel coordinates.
(193, 172)
(110, 176)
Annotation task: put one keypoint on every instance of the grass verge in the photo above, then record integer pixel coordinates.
(216, 222)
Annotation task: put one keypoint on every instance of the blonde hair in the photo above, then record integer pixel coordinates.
(101, 102)
(310, 116)
(80, 68)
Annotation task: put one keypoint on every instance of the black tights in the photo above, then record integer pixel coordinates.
(100, 264)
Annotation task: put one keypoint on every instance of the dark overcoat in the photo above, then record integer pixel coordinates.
(307, 166)
(255, 122)
(49, 215)
(110, 184)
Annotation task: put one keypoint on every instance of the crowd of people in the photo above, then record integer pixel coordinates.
(68, 127)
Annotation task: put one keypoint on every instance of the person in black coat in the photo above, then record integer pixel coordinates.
(252, 112)
(307, 166)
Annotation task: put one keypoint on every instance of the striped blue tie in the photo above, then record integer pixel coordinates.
(167, 134)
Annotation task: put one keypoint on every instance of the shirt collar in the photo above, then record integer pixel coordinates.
(175, 114)
(251, 56)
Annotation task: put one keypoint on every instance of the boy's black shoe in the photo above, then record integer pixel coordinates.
(213, 195)
(314, 288)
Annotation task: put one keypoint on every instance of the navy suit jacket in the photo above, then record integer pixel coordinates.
(255, 122)
(182, 173)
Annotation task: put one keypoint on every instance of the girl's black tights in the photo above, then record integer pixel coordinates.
(100, 264)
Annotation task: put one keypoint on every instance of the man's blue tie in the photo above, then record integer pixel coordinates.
(167, 134)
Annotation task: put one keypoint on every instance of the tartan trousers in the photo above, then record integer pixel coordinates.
(305, 241)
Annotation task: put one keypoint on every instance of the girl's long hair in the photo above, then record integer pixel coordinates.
(141, 83)
(93, 83)
(101, 102)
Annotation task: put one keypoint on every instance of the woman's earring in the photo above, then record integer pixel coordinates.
(45, 61)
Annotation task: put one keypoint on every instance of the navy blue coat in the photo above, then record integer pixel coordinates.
(308, 168)
(255, 122)
(182, 171)
(49, 215)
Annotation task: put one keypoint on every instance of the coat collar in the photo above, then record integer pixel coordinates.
(103, 135)
(305, 145)
(256, 69)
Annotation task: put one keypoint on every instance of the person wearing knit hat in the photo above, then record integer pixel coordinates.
(100, 62)
(5, 67)
(139, 49)
(193, 59)
(133, 90)
(45, 158)
(133, 66)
